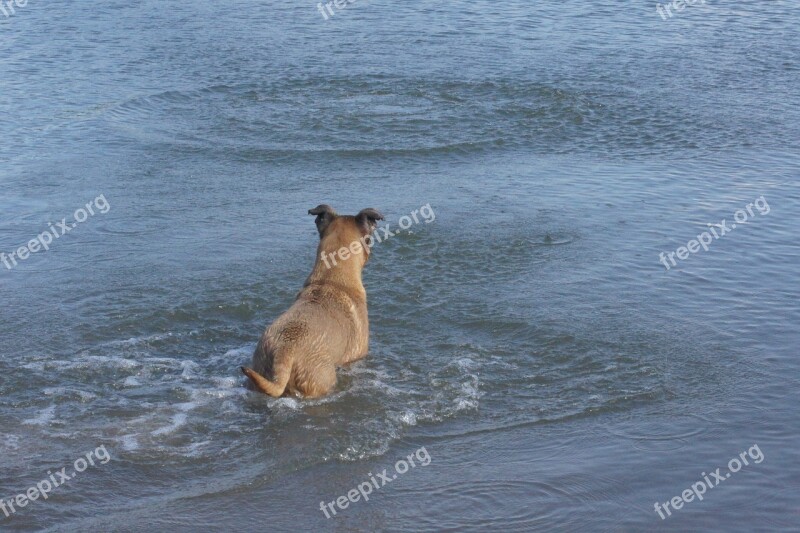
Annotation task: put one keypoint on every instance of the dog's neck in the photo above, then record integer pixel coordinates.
(333, 270)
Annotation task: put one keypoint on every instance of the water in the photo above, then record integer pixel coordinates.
(559, 376)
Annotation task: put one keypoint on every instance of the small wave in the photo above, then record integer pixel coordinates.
(43, 418)
(129, 443)
(178, 421)
(138, 341)
(89, 361)
(83, 396)
(9, 442)
(191, 401)
(190, 369)
(131, 381)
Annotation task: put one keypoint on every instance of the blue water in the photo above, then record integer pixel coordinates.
(529, 338)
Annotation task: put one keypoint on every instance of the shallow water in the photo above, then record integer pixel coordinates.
(559, 376)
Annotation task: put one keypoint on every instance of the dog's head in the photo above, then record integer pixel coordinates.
(345, 236)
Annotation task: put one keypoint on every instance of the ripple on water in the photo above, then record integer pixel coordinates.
(284, 117)
(524, 506)
(655, 435)
(164, 407)
(43, 418)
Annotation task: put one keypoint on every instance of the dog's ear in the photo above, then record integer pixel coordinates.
(325, 215)
(368, 219)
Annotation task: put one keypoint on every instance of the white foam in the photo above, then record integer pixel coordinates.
(233, 357)
(409, 418)
(469, 394)
(464, 363)
(194, 449)
(129, 443)
(376, 384)
(135, 341)
(44, 417)
(178, 421)
(64, 391)
(287, 402)
(132, 381)
(86, 361)
(114, 361)
(189, 369)
(240, 351)
(228, 383)
(168, 361)
(9, 442)
(205, 394)
(187, 406)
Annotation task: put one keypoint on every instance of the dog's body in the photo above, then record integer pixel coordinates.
(327, 326)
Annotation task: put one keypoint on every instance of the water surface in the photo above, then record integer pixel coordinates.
(529, 338)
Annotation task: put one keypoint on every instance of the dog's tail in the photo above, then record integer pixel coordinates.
(262, 384)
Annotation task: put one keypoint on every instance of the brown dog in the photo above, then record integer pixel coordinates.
(327, 325)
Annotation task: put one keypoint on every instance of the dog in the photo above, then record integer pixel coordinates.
(327, 325)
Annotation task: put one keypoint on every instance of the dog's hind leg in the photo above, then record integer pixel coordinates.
(314, 382)
(272, 388)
